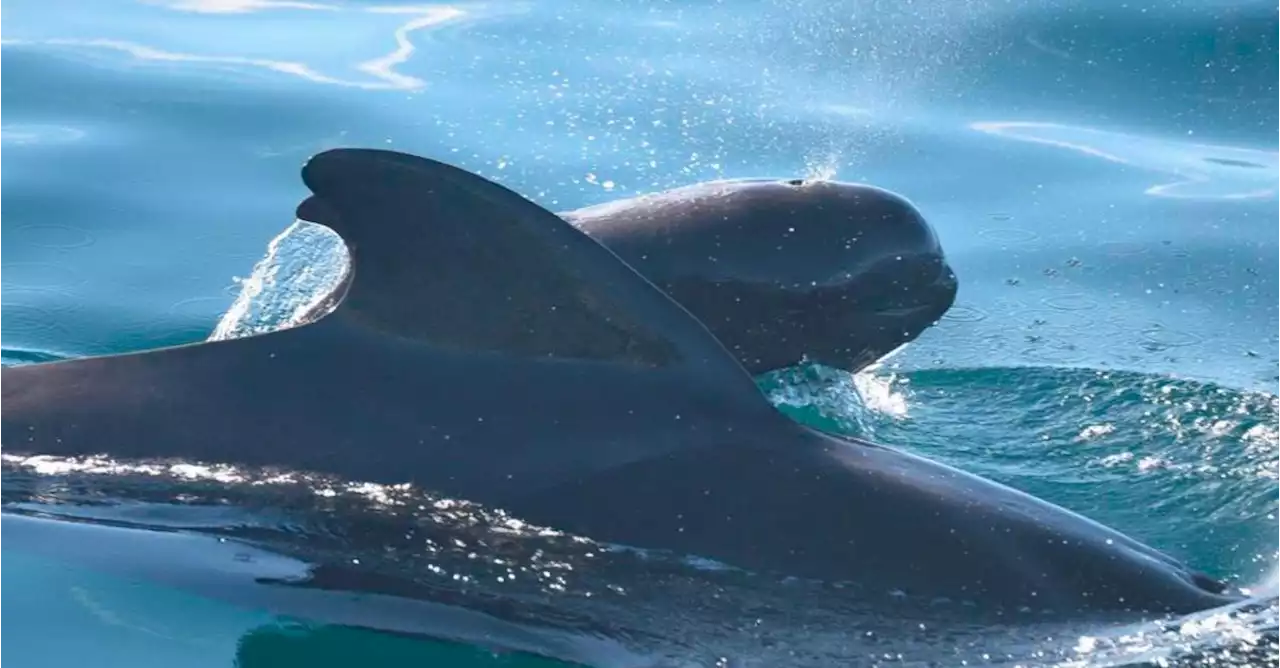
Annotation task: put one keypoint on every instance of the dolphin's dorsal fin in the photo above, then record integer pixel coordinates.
(446, 257)
(536, 333)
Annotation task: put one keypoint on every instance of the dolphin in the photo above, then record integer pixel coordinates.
(784, 270)
(481, 347)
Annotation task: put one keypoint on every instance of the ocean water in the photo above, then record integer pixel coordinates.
(1103, 176)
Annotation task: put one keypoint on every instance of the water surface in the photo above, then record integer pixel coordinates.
(1103, 177)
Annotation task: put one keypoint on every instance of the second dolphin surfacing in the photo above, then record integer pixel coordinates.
(779, 271)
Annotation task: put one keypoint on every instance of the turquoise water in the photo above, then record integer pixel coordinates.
(1103, 177)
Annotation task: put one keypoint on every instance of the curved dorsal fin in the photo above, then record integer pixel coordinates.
(449, 258)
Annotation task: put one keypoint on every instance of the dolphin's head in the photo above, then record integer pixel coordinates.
(866, 275)
(780, 271)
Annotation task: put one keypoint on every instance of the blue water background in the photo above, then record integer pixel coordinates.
(1103, 176)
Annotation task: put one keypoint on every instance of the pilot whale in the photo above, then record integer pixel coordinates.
(484, 348)
(784, 270)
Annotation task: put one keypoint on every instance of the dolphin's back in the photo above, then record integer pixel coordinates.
(479, 345)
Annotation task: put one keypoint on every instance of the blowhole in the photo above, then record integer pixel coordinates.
(796, 183)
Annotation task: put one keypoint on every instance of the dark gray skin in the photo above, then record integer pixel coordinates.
(838, 273)
(483, 348)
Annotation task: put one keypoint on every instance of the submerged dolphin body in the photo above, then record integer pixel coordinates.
(838, 273)
(481, 347)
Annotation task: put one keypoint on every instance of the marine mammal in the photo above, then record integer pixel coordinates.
(482, 347)
(780, 270)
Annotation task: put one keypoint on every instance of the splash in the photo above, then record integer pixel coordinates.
(49, 465)
(303, 265)
(822, 166)
(881, 394)
(851, 403)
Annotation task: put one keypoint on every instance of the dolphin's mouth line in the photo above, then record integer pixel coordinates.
(919, 295)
